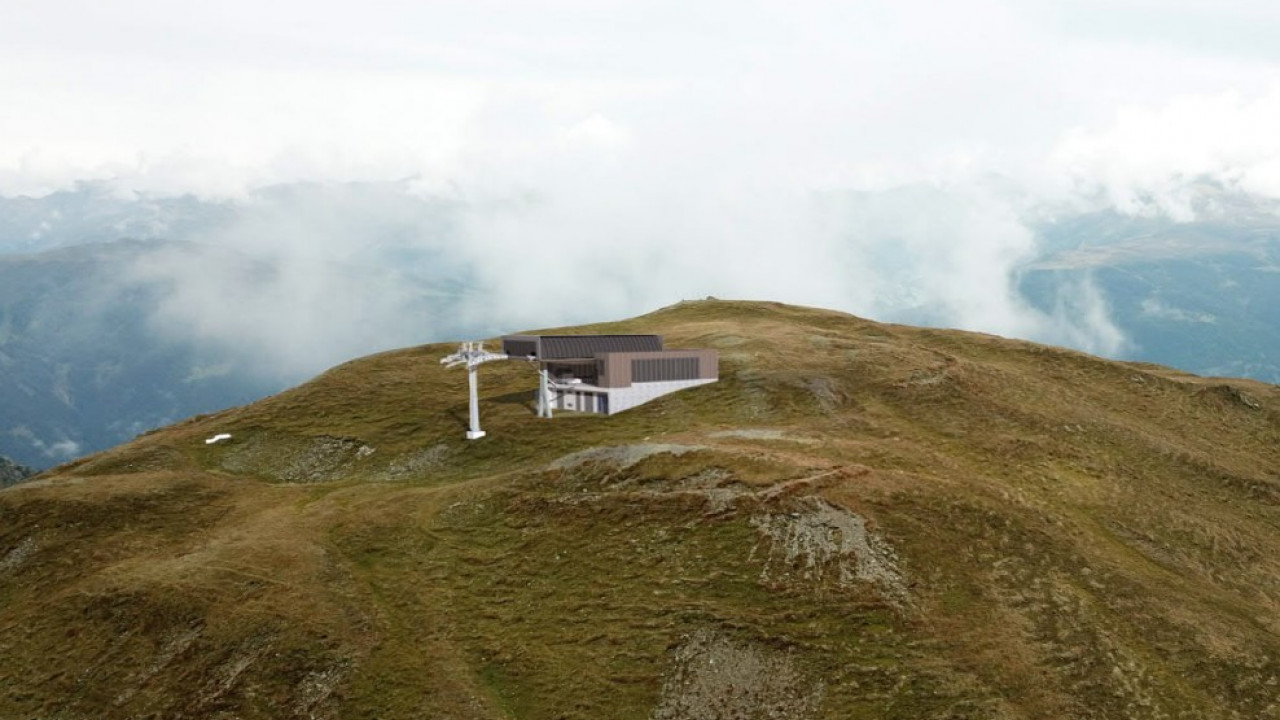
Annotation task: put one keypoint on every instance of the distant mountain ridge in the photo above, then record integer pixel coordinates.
(89, 358)
(1202, 295)
(94, 213)
(102, 338)
(11, 473)
(120, 313)
(81, 368)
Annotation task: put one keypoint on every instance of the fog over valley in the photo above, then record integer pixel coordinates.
(209, 205)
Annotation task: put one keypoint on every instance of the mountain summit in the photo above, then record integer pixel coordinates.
(857, 521)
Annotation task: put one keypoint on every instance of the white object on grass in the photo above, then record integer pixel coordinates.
(218, 438)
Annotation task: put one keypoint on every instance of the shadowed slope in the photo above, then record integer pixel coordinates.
(858, 520)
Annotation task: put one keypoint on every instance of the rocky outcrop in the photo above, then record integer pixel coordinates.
(11, 473)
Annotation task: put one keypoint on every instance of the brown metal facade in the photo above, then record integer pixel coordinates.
(661, 369)
(621, 369)
(613, 361)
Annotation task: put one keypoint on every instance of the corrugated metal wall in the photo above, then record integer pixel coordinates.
(663, 369)
(616, 369)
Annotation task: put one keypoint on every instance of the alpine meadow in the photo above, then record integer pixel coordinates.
(858, 520)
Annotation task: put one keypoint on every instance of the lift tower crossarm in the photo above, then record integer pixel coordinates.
(473, 355)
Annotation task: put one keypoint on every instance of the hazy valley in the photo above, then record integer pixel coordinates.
(103, 338)
(221, 303)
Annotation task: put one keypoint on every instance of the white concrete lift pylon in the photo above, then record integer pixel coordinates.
(544, 393)
(472, 354)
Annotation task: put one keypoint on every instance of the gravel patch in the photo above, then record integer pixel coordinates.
(826, 392)
(17, 556)
(317, 459)
(819, 539)
(314, 693)
(174, 647)
(761, 434)
(714, 677)
(416, 464)
(620, 456)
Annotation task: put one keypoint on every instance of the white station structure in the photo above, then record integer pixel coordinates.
(596, 374)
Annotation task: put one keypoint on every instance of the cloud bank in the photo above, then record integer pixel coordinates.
(532, 164)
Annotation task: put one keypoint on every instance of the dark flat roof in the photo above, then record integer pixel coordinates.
(572, 347)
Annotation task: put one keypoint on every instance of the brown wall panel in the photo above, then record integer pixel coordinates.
(616, 369)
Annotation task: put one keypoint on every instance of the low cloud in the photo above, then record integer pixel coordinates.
(55, 449)
(929, 253)
(1157, 159)
(388, 175)
(1154, 308)
(302, 277)
(1081, 318)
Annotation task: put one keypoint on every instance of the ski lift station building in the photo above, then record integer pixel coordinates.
(607, 374)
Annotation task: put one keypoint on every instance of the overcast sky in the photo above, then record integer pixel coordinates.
(802, 142)
(218, 97)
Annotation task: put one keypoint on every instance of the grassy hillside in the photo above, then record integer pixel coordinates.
(858, 521)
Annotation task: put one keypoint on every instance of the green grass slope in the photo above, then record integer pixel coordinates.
(859, 521)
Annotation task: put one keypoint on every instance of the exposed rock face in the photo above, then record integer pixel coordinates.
(11, 473)
(821, 538)
(291, 459)
(714, 677)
